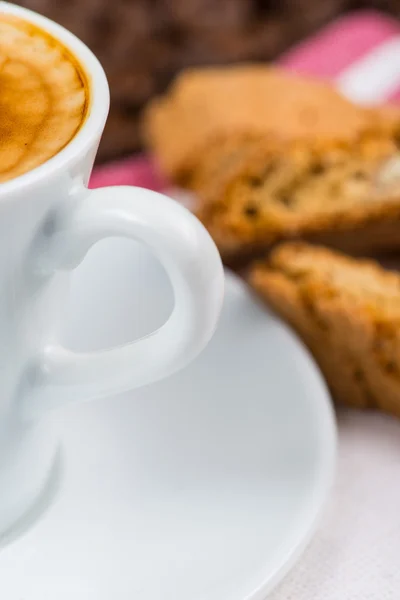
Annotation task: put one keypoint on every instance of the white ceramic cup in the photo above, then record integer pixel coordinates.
(48, 222)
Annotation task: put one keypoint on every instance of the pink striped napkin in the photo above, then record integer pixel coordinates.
(360, 52)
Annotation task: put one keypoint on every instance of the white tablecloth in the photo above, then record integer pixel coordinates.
(355, 554)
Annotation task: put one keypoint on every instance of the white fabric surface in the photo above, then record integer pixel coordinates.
(355, 554)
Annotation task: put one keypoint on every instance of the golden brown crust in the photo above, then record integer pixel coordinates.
(206, 106)
(347, 312)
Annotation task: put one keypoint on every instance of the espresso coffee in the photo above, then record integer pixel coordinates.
(44, 96)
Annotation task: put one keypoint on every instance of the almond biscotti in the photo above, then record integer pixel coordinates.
(208, 106)
(347, 311)
(341, 194)
(273, 156)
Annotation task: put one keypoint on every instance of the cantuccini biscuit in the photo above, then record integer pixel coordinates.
(209, 105)
(274, 156)
(341, 194)
(347, 311)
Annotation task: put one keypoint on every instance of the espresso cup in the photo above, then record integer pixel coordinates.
(49, 220)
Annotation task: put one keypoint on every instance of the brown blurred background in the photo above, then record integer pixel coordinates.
(143, 43)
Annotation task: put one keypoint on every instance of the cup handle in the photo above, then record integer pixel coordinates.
(192, 263)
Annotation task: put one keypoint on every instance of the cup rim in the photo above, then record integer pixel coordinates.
(98, 109)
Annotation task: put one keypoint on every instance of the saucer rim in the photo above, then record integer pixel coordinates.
(323, 405)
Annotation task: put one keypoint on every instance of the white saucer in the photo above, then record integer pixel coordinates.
(203, 487)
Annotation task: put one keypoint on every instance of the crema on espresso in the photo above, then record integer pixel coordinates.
(44, 96)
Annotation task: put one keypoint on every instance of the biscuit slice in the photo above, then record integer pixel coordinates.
(342, 194)
(272, 156)
(347, 311)
(208, 106)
